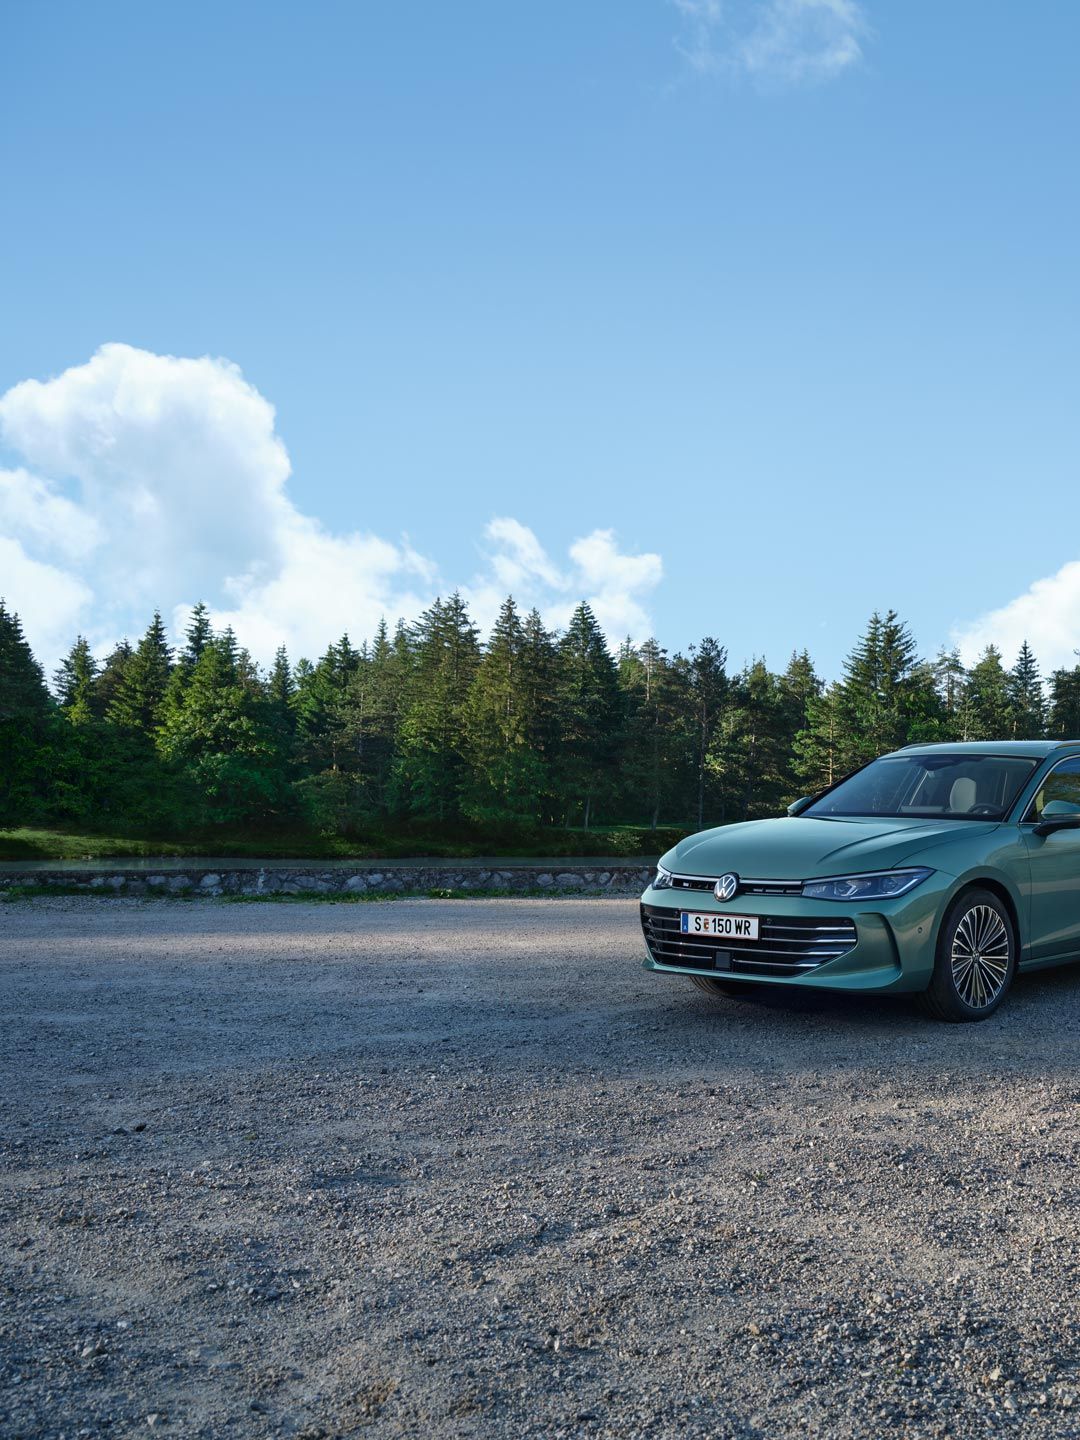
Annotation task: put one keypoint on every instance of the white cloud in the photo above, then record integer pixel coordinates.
(28, 506)
(48, 601)
(1047, 616)
(154, 481)
(615, 585)
(785, 41)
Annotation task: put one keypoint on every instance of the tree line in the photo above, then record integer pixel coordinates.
(428, 723)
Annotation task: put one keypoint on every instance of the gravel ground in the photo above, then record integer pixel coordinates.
(464, 1169)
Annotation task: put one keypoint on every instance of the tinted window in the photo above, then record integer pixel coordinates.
(1060, 789)
(947, 787)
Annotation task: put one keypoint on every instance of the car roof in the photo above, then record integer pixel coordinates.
(1033, 749)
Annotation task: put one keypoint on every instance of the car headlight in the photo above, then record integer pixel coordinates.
(662, 880)
(880, 885)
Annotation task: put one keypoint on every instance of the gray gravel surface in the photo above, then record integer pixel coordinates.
(464, 1169)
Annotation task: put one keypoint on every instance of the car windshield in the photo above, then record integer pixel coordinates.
(943, 787)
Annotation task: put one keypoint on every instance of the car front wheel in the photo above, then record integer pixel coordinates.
(720, 989)
(975, 961)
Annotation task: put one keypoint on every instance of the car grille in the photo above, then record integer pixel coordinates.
(746, 887)
(789, 944)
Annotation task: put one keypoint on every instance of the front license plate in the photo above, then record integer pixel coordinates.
(724, 927)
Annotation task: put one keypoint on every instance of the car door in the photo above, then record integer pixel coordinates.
(1055, 867)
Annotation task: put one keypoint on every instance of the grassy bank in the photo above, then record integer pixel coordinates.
(404, 842)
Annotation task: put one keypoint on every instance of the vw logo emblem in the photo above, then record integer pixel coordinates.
(725, 887)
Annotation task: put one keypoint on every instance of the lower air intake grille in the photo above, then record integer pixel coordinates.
(789, 944)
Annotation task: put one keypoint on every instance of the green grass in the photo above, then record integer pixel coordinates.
(386, 843)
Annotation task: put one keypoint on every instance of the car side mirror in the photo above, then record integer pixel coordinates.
(1056, 822)
(798, 806)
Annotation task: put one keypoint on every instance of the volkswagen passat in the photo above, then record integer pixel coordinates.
(938, 869)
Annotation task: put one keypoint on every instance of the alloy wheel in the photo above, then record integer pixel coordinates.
(980, 956)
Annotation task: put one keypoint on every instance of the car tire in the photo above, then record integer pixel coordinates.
(975, 960)
(719, 990)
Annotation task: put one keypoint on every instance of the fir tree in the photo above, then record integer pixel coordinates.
(142, 685)
(197, 636)
(1027, 700)
(75, 684)
(110, 677)
(26, 725)
(986, 710)
(949, 680)
(887, 697)
(508, 776)
(654, 768)
(222, 739)
(590, 716)
(708, 690)
(432, 765)
(819, 749)
(750, 755)
(1063, 720)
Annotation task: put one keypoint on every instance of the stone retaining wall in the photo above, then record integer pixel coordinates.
(364, 879)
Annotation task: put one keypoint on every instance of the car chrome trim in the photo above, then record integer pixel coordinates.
(706, 882)
(787, 946)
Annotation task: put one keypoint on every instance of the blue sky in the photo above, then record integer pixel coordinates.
(781, 293)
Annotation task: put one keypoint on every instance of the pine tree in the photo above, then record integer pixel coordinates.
(508, 779)
(887, 697)
(222, 739)
(378, 697)
(654, 768)
(590, 716)
(142, 685)
(1027, 699)
(1063, 720)
(321, 705)
(708, 691)
(197, 636)
(280, 692)
(431, 772)
(819, 752)
(986, 711)
(750, 754)
(26, 725)
(110, 677)
(949, 680)
(75, 684)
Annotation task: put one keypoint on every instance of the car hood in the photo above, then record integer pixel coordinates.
(802, 847)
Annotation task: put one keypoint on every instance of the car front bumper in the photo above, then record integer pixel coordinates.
(890, 946)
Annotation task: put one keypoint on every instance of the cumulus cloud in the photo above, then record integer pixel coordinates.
(774, 41)
(150, 480)
(49, 601)
(614, 584)
(1046, 615)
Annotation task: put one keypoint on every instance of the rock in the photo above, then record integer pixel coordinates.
(567, 880)
(355, 883)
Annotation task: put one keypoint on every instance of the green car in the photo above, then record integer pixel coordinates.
(937, 870)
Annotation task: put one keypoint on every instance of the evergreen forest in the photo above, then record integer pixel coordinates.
(431, 735)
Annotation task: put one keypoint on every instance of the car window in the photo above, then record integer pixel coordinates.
(948, 787)
(1060, 789)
